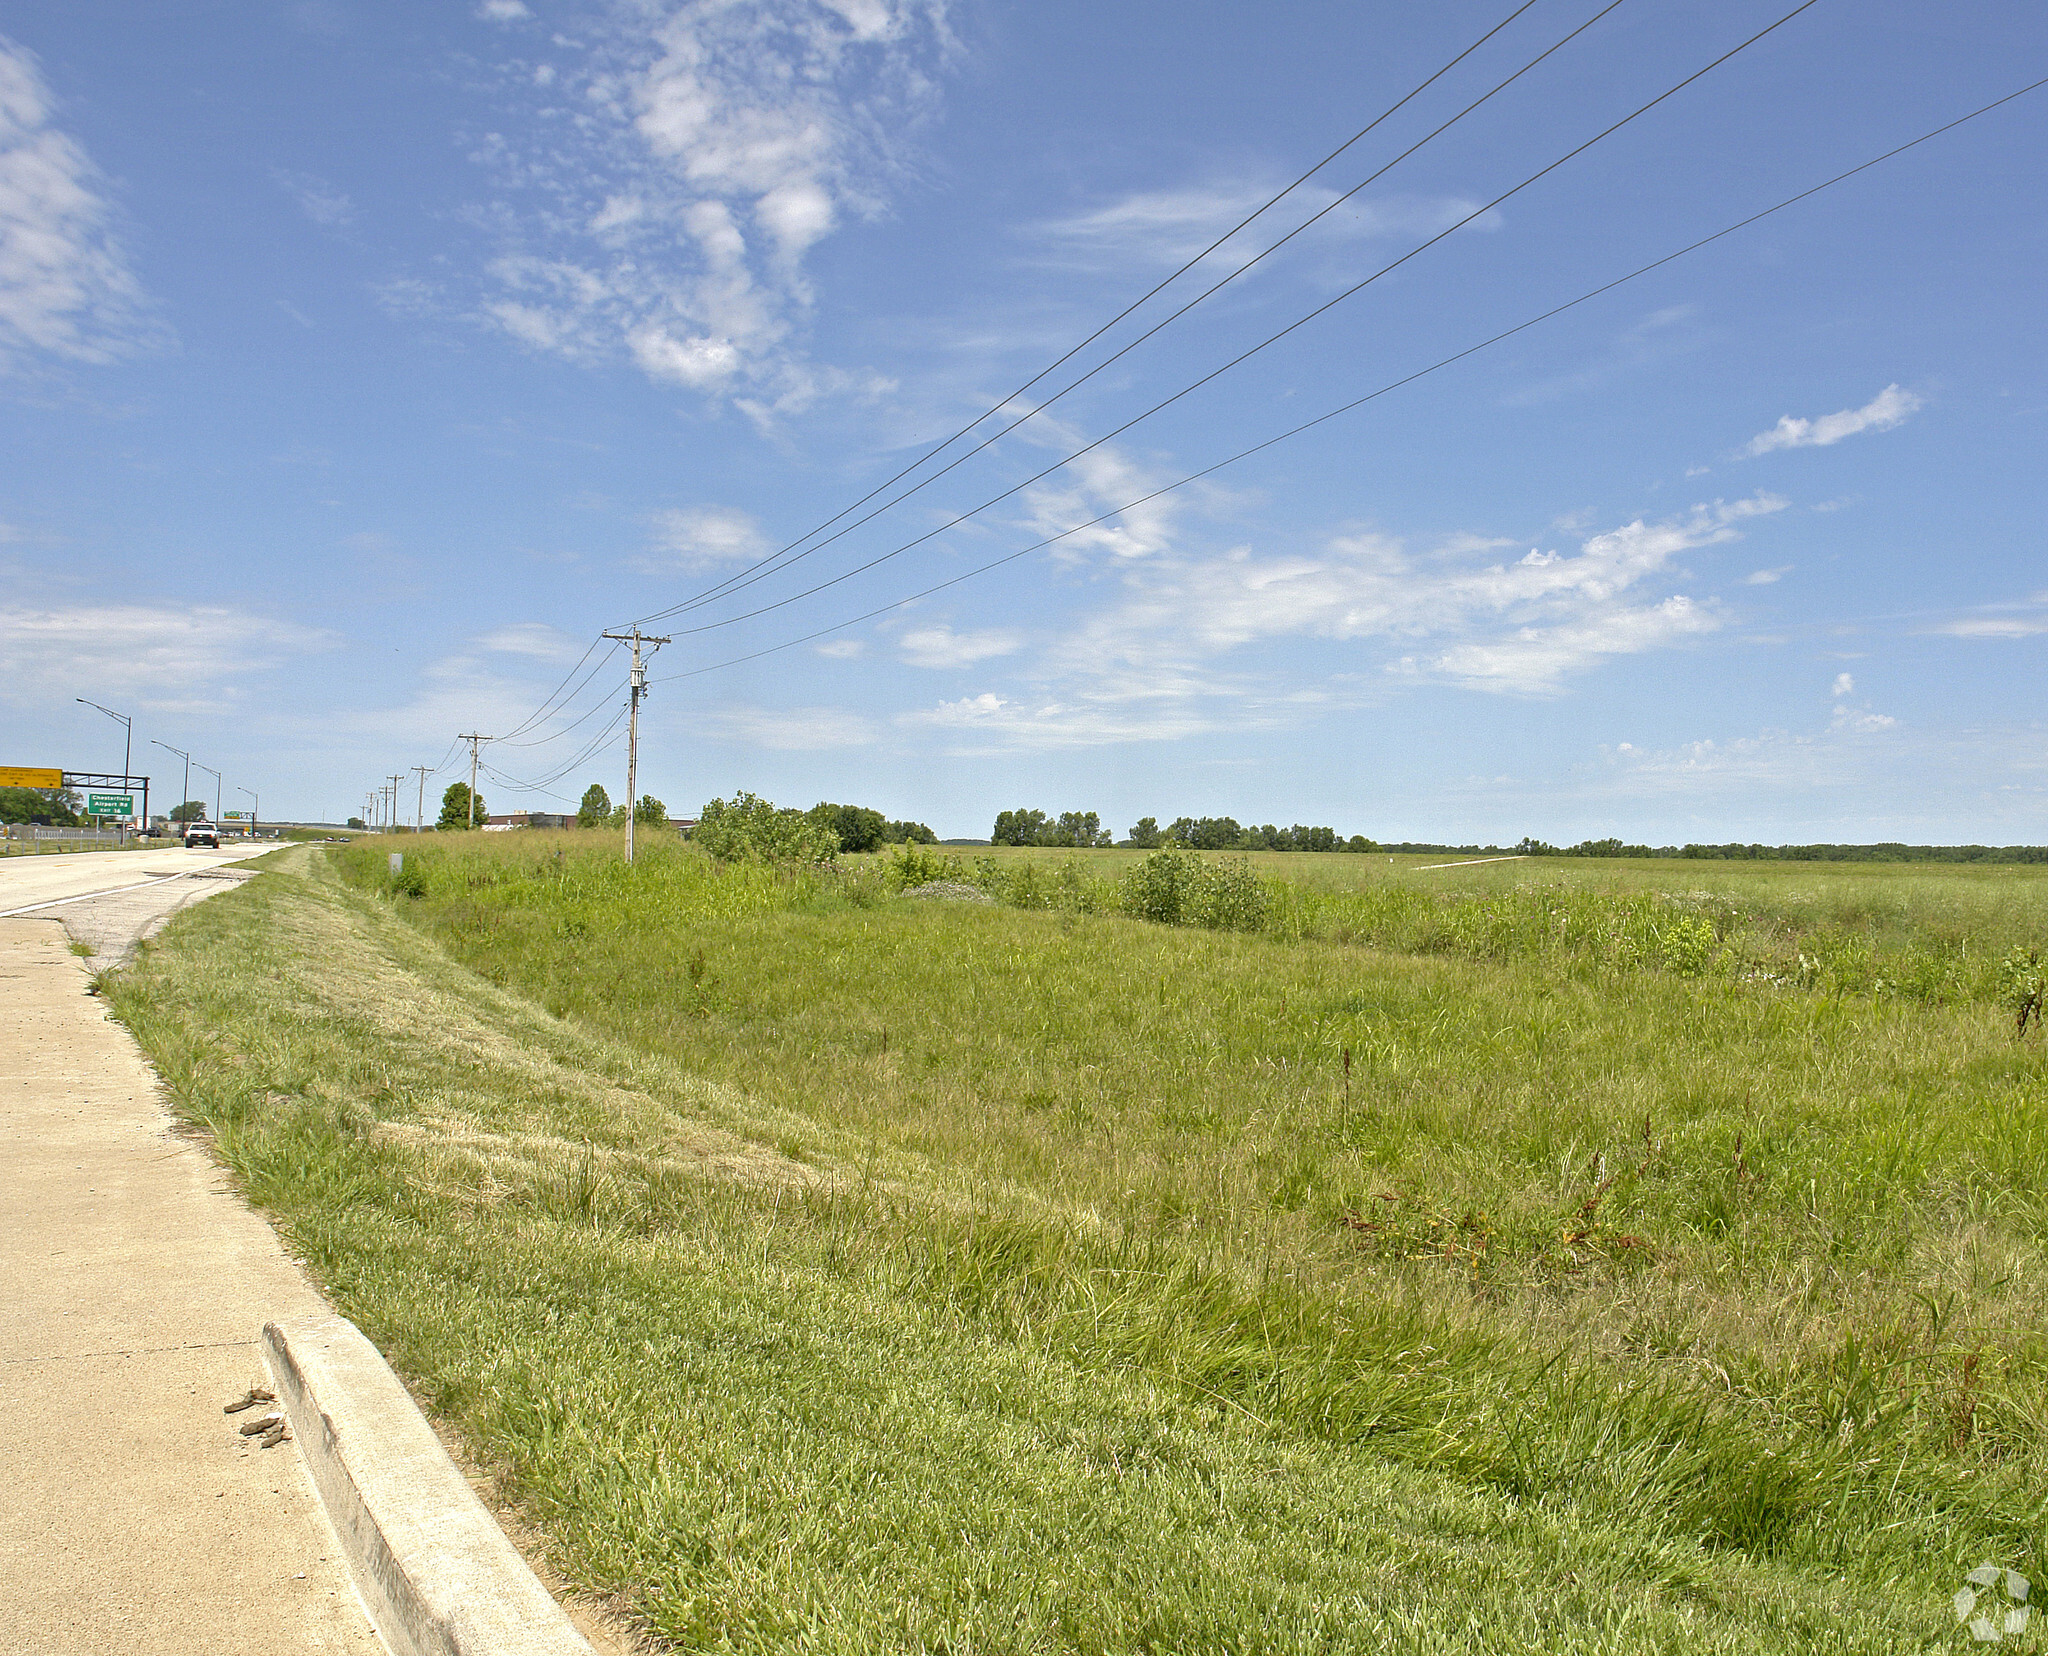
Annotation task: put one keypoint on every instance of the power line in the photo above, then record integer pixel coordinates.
(1392, 385)
(1136, 304)
(1254, 350)
(735, 584)
(534, 717)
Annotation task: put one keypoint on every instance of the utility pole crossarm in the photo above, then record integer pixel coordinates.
(638, 683)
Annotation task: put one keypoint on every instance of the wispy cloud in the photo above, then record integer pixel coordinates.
(721, 144)
(792, 729)
(2024, 618)
(65, 286)
(940, 646)
(533, 639)
(1521, 627)
(700, 536)
(319, 200)
(2000, 626)
(1168, 227)
(1890, 407)
(989, 723)
(151, 651)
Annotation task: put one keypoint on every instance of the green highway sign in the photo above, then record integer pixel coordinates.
(234, 816)
(109, 804)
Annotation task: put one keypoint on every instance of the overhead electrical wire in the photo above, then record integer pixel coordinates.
(1371, 396)
(549, 701)
(594, 708)
(771, 565)
(540, 784)
(1136, 304)
(1254, 350)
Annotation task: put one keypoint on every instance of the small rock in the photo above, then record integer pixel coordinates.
(262, 1423)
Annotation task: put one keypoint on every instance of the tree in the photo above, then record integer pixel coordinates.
(455, 812)
(1082, 828)
(193, 810)
(651, 810)
(908, 833)
(596, 807)
(356, 822)
(1358, 842)
(747, 828)
(1145, 834)
(50, 807)
(1207, 833)
(1019, 827)
(854, 826)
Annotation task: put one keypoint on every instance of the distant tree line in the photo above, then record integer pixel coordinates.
(1084, 828)
(1886, 851)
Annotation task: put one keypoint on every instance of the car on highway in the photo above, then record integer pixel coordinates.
(202, 833)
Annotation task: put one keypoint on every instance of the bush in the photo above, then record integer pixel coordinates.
(1687, 944)
(915, 866)
(1174, 887)
(2021, 980)
(747, 828)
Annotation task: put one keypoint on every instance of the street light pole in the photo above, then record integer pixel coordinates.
(128, 748)
(255, 821)
(185, 788)
(210, 771)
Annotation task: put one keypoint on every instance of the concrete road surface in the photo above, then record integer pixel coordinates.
(133, 1516)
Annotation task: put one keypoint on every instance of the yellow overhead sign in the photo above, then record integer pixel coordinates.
(30, 776)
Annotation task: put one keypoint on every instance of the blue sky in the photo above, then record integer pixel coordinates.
(362, 362)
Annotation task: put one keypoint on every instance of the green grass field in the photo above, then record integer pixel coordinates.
(1553, 1256)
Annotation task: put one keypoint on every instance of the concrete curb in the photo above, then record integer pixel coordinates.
(435, 1571)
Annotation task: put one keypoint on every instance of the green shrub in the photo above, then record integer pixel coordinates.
(913, 865)
(1687, 944)
(1175, 887)
(2020, 984)
(747, 828)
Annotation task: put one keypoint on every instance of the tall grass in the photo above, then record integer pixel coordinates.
(1679, 1257)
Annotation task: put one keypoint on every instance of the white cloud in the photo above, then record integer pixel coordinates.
(989, 723)
(723, 142)
(1845, 685)
(502, 11)
(319, 200)
(1767, 577)
(791, 729)
(165, 654)
(2005, 626)
(1168, 227)
(1890, 407)
(534, 639)
(940, 646)
(842, 649)
(65, 286)
(703, 535)
(1520, 627)
(1090, 486)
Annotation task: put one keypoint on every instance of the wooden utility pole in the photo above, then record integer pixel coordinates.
(472, 740)
(638, 687)
(419, 810)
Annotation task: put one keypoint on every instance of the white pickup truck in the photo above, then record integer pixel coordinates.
(202, 833)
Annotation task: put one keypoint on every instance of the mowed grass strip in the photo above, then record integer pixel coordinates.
(777, 1355)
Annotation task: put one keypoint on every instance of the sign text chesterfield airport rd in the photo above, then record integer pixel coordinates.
(115, 805)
